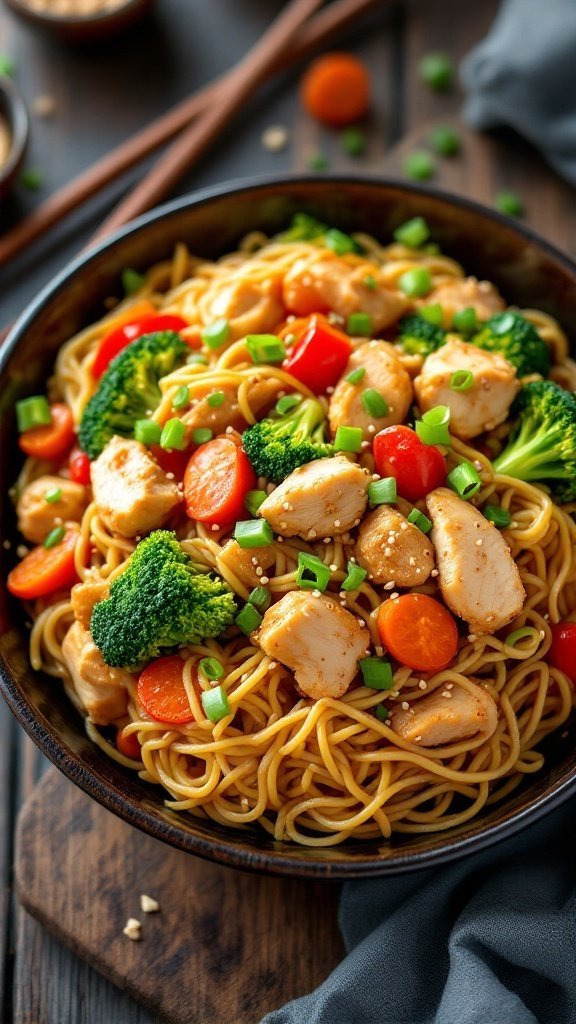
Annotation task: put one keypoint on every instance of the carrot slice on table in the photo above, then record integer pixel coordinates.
(216, 482)
(45, 570)
(161, 691)
(418, 631)
(336, 89)
(52, 441)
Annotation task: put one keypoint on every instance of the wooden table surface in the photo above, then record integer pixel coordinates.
(100, 96)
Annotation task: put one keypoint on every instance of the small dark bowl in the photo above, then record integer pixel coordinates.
(529, 273)
(13, 112)
(83, 28)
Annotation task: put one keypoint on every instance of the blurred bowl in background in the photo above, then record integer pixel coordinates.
(81, 21)
(14, 131)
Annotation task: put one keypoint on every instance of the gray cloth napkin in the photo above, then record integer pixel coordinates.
(523, 76)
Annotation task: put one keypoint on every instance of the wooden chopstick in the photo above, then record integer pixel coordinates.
(319, 29)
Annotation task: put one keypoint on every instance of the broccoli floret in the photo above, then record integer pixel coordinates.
(279, 444)
(542, 446)
(517, 340)
(158, 602)
(420, 337)
(129, 390)
(305, 228)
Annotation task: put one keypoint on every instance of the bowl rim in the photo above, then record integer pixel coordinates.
(283, 860)
(16, 114)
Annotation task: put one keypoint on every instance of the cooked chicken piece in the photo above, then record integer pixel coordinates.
(391, 548)
(101, 690)
(460, 293)
(485, 404)
(261, 395)
(133, 493)
(321, 499)
(447, 716)
(332, 284)
(243, 562)
(86, 594)
(385, 374)
(479, 580)
(251, 307)
(315, 637)
(36, 515)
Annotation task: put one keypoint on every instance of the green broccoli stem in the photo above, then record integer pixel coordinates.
(532, 456)
(307, 421)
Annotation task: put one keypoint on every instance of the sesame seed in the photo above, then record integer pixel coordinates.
(449, 686)
(169, 476)
(336, 522)
(446, 693)
(479, 542)
(148, 905)
(418, 571)
(417, 739)
(316, 593)
(361, 623)
(405, 705)
(280, 540)
(412, 560)
(312, 533)
(330, 390)
(254, 560)
(403, 526)
(343, 603)
(387, 552)
(333, 567)
(423, 684)
(472, 637)
(477, 464)
(264, 579)
(364, 445)
(542, 634)
(434, 572)
(133, 929)
(273, 664)
(390, 586)
(229, 430)
(274, 138)
(259, 570)
(284, 525)
(286, 505)
(371, 428)
(375, 476)
(215, 527)
(394, 596)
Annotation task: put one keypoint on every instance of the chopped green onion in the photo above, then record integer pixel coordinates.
(33, 412)
(419, 166)
(356, 576)
(312, 573)
(54, 537)
(211, 668)
(465, 320)
(32, 179)
(418, 519)
(437, 71)
(415, 282)
(383, 492)
(53, 495)
(462, 380)
(434, 314)
(510, 204)
(433, 427)
(287, 403)
(413, 233)
(173, 435)
(520, 634)
(360, 325)
(374, 403)
(348, 439)
(216, 334)
(370, 282)
(253, 533)
(465, 480)
(253, 500)
(248, 619)
(132, 281)
(503, 323)
(196, 358)
(377, 673)
(216, 399)
(382, 713)
(339, 242)
(215, 703)
(497, 515)
(7, 65)
(356, 375)
(147, 432)
(201, 435)
(444, 140)
(318, 162)
(181, 399)
(353, 141)
(265, 348)
(432, 249)
(260, 598)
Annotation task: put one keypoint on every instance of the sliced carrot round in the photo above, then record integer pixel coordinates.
(216, 482)
(53, 441)
(336, 89)
(127, 744)
(45, 570)
(418, 631)
(161, 691)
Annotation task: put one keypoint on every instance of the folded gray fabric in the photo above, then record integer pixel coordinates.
(523, 76)
(489, 940)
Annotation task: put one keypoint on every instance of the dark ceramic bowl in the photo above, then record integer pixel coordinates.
(83, 28)
(13, 112)
(529, 273)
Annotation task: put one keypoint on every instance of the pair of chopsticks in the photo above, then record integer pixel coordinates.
(193, 123)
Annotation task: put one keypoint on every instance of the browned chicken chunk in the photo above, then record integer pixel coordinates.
(458, 293)
(86, 594)
(101, 690)
(133, 493)
(330, 283)
(36, 515)
(385, 374)
(447, 716)
(251, 307)
(392, 549)
(243, 562)
(324, 498)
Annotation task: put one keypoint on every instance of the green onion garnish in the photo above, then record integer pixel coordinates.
(520, 634)
(339, 242)
(173, 435)
(260, 598)
(7, 65)
(33, 412)
(444, 140)
(510, 204)
(53, 495)
(253, 500)
(434, 314)
(287, 403)
(181, 399)
(215, 703)
(383, 492)
(348, 439)
(248, 619)
(318, 162)
(353, 141)
(415, 282)
(196, 359)
(32, 179)
(465, 320)
(211, 668)
(201, 435)
(356, 375)
(437, 71)
(382, 713)
(370, 282)
(413, 233)
(265, 348)
(377, 673)
(465, 480)
(54, 537)
(374, 403)
(356, 576)
(312, 573)
(359, 325)
(497, 515)
(433, 427)
(132, 281)
(216, 334)
(462, 380)
(418, 519)
(216, 399)
(147, 432)
(419, 165)
(253, 533)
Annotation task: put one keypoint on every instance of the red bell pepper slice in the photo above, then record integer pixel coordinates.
(319, 357)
